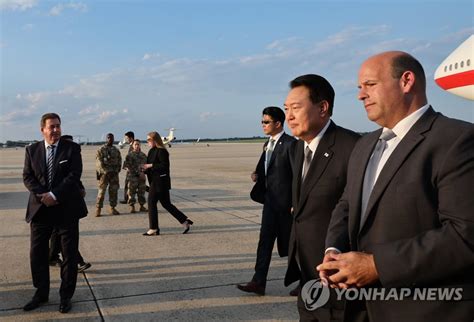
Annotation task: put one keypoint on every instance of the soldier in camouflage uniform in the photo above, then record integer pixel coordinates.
(108, 164)
(136, 178)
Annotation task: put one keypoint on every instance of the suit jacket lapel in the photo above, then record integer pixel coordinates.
(398, 156)
(298, 169)
(58, 155)
(359, 173)
(276, 150)
(42, 160)
(320, 160)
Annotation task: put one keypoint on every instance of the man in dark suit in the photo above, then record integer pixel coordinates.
(410, 222)
(319, 176)
(275, 171)
(52, 173)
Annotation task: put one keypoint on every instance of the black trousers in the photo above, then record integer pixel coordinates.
(164, 198)
(266, 241)
(54, 245)
(321, 314)
(55, 248)
(41, 230)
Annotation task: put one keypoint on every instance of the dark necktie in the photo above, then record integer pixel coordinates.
(50, 165)
(308, 155)
(371, 170)
(268, 153)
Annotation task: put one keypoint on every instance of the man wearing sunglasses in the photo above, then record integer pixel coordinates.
(274, 175)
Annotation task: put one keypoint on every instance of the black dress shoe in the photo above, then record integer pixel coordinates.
(83, 266)
(187, 225)
(252, 287)
(65, 306)
(35, 303)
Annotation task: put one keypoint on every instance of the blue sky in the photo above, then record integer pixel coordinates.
(207, 68)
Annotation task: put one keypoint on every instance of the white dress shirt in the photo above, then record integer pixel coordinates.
(400, 129)
(46, 145)
(313, 145)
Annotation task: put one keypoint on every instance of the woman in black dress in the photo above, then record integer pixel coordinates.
(157, 170)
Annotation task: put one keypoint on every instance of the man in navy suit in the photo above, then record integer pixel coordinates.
(52, 174)
(406, 220)
(274, 172)
(319, 176)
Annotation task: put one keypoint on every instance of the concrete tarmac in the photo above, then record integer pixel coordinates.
(167, 277)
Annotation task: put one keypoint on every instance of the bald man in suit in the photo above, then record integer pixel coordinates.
(406, 219)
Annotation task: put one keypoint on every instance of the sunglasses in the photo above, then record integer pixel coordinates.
(266, 122)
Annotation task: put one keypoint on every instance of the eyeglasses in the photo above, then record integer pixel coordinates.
(266, 122)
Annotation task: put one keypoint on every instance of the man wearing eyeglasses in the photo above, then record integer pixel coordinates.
(320, 161)
(274, 174)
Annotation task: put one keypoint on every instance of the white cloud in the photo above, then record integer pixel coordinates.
(96, 114)
(35, 98)
(283, 44)
(187, 92)
(148, 56)
(255, 59)
(205, 116)
(28, 27)
(89, 110)
(59, 8)
(17, 5)
(91, 87)
(105, 116)
(350, 35)
(24, 114)
(27, 106)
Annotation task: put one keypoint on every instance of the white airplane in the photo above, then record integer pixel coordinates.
(170, 138)
(456, 72)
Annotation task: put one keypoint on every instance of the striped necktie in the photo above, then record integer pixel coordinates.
(50, 165)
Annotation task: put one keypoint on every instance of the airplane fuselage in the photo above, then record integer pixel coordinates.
(456, 72)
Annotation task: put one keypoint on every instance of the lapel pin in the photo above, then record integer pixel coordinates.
(326, 154)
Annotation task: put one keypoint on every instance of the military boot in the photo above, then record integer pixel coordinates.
(132, 209)
(142, 208)
(97, 211)
(114, 211)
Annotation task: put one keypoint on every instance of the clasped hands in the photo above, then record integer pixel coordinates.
(352, 269)
(47, 199)
(145, 166)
